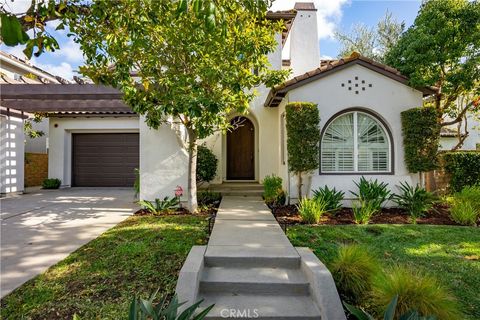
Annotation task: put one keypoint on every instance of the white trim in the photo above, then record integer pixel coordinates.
(355, 144)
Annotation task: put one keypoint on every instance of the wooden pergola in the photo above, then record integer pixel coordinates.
(63, 98)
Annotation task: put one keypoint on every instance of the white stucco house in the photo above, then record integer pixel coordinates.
(14, 142)
(95, 140)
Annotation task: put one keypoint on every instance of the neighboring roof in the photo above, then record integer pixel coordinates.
(63, 99)
(328, 67)
(449, 133)
(42, 75)
(287, 16)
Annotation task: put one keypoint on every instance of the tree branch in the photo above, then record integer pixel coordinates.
(459, 117)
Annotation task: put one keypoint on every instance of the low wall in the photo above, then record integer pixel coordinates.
(36, 169)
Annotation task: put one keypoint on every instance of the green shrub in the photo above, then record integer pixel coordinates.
(463, 167)
(372, 193)
(415, 291)
(415, 200)
(303, 136)
(363, 211)
(311, 210)
(51, 183)
(206, 164)
(207, 198)
(354, 270)
(421, 134)
(159, 206)
(273, 192)
(331, 197)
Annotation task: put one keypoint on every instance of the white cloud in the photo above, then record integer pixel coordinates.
(17, 6)
(63, 70)
(69, 51)
(329, 13)
(17, 51)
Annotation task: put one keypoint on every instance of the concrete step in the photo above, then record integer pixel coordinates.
(241, 257)
(254, 280)
(241, 193)
(254, 306)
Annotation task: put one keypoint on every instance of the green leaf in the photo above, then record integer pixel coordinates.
(132, 315)
(11, 30)
(390, 312)
(358, 313)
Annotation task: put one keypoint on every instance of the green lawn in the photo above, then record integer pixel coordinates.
(451, 253)
(99, 280)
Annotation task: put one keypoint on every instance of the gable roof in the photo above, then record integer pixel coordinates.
(276, 94)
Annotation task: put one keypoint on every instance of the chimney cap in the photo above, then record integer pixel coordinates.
(305, 6)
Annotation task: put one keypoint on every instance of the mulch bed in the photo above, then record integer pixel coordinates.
(212, 209)
(439, 216)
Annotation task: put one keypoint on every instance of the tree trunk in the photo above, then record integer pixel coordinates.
(192, 171)
(299, 185)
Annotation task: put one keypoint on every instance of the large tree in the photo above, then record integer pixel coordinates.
(442, 49)
(175, 66)
(371, 42)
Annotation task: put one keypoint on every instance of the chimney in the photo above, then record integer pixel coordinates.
(304, 45)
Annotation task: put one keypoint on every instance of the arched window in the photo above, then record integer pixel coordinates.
(355, 142)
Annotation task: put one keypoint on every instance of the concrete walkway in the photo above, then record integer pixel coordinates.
(42, 228)
(250, 270)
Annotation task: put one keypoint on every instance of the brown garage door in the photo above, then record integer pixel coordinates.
(104, 159)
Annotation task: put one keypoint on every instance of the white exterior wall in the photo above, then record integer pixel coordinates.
(39, 144)
(266, 127)
(303, 43)
(471, 142)
(163, 162)
(11, 154)
(387, 98)
(60, 139)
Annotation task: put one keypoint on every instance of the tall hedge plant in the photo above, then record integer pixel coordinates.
(421, 134)
(463, 168)
(303, 136)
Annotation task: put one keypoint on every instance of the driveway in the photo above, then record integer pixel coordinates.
(41, 228)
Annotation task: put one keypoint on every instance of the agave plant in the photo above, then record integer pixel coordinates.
(389, 313)
(158, 205)
(141, 309)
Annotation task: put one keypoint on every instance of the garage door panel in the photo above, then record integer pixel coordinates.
(105, 159)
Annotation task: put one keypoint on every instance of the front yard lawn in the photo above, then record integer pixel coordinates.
(450, 253)
(99, 280)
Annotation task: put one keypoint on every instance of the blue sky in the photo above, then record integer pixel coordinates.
(331, 15)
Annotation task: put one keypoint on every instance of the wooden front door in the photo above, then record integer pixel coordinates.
(241, 150)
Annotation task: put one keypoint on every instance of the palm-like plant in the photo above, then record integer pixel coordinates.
(415, 200)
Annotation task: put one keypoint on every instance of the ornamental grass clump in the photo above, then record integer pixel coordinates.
(415, 200)
(416, 291)
(465, 206)
(354, 270)
(311, 210)
(363, 211)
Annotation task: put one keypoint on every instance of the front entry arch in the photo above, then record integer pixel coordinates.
(241, 150)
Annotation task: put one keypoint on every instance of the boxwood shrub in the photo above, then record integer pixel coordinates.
(421, 134)
(463, 168)
(206, 164)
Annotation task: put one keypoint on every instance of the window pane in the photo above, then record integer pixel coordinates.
(337, 145)
(372, 145)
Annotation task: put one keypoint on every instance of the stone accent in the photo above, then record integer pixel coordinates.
(36, 169)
